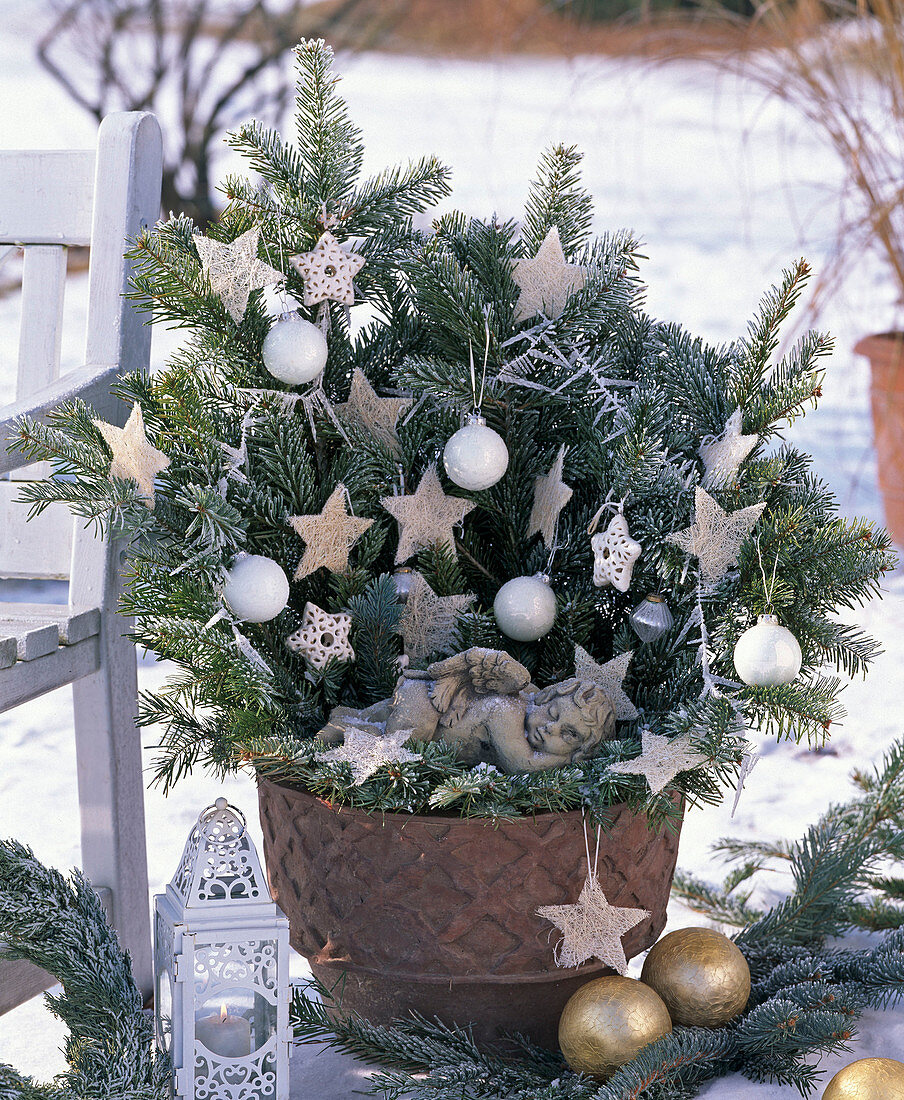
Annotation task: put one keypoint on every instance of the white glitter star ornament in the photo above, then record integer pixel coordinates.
(377, 415)
(592, 928)
(661, 759)
(546, 281)
(328, 272)
(365, 753)
(233, 270)
(426, 516)
(133, 457)
(551, 494)
(328, 536)
(322, 637)
(428, 622)
(715, 537)
(723, 455)
(614, 555)
(609, 677)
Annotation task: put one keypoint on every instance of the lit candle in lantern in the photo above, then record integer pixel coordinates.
(225, 1034)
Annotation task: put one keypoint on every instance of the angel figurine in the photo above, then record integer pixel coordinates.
(483, 703)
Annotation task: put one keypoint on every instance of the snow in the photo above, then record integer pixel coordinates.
(725, 189)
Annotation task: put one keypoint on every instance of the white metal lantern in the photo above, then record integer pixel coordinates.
(221, 966)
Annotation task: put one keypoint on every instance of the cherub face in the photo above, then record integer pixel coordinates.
(555, 728)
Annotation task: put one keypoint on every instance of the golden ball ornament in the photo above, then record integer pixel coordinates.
(606, 1023)
(701, 976)
(868, 1079)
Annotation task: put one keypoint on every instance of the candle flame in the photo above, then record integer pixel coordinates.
(223, 1013)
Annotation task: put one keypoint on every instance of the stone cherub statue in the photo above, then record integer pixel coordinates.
(483, 703)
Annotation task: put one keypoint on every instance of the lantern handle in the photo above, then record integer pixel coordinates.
(213, 815)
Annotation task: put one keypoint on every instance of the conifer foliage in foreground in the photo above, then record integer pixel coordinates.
(439, 323)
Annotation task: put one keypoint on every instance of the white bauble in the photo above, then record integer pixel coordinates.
(294, 350)
(257, 588)
(767, 654)
(525, 608)
(476, 457)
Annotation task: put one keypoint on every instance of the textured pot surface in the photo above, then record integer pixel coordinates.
(885, 352)
(438, 914)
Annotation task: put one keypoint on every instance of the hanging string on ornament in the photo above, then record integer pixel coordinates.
(614, 551)
(767, 654)
(651, 618)
(476, 457)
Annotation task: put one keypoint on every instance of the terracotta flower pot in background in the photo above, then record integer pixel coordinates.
(885, 352)
(438, 914)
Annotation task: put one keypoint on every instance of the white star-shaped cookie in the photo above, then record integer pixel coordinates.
(234, 270)
(592, 928)
(723, 455)
(328, 536)
(609, 677)
(428, 622)
(365, 753)
(551, 494)
(426, 516)
(546, 280)
(322, 637)
(715, 538)
(614, 555)
(661, 759)
(377, 415)
(328, 272)
(133, 455)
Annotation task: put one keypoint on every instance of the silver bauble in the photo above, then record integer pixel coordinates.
(525, 608)
(768, 654)
(402, 579)
(257, 589)
(475, 457)
(294, 350)
(651, 618)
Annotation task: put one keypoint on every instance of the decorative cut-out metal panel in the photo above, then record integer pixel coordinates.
(219, 863)
(235, 1079)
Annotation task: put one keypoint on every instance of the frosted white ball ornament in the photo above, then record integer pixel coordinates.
(525, 608)
(257, 588)
(476, 457)
(294, 350)
(768, 654)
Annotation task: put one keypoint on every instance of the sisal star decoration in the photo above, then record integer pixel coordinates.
(661, 759)
(234, 270)
(724, 454)
(377, 415)
(609, 677)
(322, 637)
(546, 281)
(592, 928)
(428, 622)
(426, 516)
(328, 536)
(551, 494)
(133, 456)
(365, 753)
(715, 537)
(328, 272)
(614, 555)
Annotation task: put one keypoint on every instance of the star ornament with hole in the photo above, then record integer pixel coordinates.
(661, 759)
(233, 270)
(427, 516)
(328, 272)
(723, 455)
(609, 677)
(322, 637)
(614, 555)
(328, 536)
(546, 281)
(377, 415)
(715, 538)
(365, 753)
(592, 928)
(133, 456)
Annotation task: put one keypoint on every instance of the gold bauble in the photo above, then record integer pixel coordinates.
(700, 974)
(868, 1079)
(607, 1021)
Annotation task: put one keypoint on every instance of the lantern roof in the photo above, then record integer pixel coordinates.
(220, 864)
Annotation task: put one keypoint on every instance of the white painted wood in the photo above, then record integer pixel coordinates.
(8, 652)
(41, 323)
(74, 626)
(29, 680)
(20, 981)
(42, 548)
(33, 640)
(46, 197)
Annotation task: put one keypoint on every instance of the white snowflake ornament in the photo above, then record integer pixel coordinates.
(322, 636)
(328, 272)
(614, 555)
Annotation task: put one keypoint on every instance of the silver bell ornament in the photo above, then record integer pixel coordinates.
(257, 588)
(402, 578)
(651, 618)
(475, 457)
(525, 608)
(294, 350)
(768, 654)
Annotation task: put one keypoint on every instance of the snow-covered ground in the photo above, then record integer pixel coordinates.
(725, 190)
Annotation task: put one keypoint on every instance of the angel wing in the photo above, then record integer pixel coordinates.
(477, 671)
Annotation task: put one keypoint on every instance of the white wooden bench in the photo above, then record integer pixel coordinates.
(50, 201)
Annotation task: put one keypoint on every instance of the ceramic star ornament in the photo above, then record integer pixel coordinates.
(723, 455)
(614, 555)
(328, 272)
(426, 516)
(328, 536)
(546, 281)
(428, 622)
(592, 928)
(234, 270)
(133, 456)
(551, 494)
(609, 677)
(715, 538)
(661, 759)
(365, 753)
(377, 415)
(322, 637)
